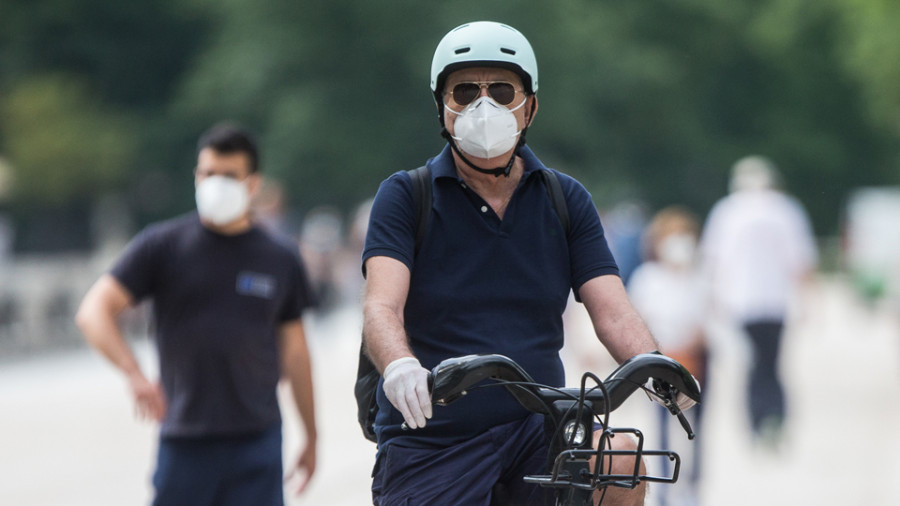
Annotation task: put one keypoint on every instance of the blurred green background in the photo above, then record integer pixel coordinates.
(651, 100)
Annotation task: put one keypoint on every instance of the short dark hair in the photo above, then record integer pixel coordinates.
(229, 138)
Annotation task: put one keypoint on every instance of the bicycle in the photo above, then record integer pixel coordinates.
(571, 413)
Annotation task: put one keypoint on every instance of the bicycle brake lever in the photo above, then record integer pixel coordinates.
(668, 396)
(685, 424)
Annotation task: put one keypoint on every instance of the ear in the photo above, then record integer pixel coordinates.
(532, 110)
(254, 183)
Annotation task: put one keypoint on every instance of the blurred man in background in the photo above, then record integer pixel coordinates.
(758, 247)
(228, 299)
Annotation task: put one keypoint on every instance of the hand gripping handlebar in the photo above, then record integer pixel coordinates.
(571, 411)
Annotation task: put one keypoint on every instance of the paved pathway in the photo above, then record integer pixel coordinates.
(67, 436)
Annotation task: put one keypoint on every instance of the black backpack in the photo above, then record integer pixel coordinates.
(366, 375)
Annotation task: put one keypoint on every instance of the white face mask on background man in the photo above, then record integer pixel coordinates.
(222, 200)
(486, 129)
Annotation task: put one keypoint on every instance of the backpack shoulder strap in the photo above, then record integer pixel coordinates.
(557, 197)
(421, 192)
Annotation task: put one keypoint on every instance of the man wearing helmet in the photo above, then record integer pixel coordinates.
(492, 275)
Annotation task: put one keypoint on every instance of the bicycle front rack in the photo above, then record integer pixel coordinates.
(571, 467)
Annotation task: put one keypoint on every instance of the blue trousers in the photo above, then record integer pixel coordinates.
(766, 395)
(486, 470)
(220, 471)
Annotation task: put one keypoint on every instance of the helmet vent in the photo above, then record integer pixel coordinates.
(463, 50)
(507, 50)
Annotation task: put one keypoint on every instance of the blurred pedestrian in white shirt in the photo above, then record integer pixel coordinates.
(758, 247)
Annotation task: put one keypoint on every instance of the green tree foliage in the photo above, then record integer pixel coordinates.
(338, 91)
(869, 46)
(652, 99)
(130, 53)
(83, 90)
(65, 146)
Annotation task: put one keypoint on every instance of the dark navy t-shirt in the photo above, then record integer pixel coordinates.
(218, 302)
(482, 285)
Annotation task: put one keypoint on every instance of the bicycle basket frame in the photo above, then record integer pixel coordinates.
(579, 489)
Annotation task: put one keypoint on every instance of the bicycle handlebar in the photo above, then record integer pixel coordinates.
(452, 377)
(569, 454)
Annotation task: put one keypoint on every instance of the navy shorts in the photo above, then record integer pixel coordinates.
(471, 473)
(220, 471)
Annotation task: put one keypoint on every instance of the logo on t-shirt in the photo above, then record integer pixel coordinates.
(256, 285)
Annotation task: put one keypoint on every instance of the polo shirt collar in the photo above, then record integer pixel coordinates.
(442, 165)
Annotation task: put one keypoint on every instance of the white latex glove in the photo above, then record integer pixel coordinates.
(406, 386)
(681, 399)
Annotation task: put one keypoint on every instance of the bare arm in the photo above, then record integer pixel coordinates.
(616, 323)
(619, 327)
(296, 367)
(387, 286)
(97, 318)
(405, 381)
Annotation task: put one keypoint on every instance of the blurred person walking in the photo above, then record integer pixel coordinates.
(228, 301)
(668, 291)
(624, 226)
(321, 239)
(758, 247)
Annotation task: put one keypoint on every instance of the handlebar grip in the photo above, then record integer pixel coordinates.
(452, 377)
(660, 367)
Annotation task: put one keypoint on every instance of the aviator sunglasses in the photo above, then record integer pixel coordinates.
(501, 91)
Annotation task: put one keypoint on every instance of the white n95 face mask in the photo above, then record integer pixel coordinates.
(486, 129)
(221, 200)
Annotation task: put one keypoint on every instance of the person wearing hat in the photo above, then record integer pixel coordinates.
(491, 275)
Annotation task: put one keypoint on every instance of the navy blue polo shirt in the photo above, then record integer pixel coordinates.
(218, 304)
(482, 285)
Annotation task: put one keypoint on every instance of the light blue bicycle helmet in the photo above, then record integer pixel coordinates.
(483, 43)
